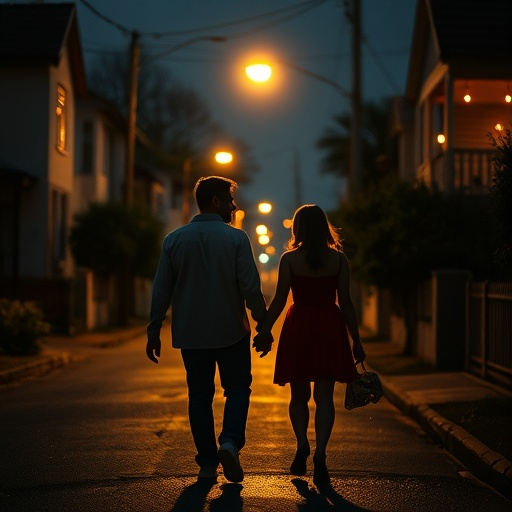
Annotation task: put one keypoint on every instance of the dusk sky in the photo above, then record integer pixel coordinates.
(292, 112)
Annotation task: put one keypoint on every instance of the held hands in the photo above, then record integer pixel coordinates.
(153, 349)
(358, 351)
(262, 342)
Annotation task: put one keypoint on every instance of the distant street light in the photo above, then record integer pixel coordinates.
(261, 229)
(265, 207)
(223, 157)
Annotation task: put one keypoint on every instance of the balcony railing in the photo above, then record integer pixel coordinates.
(472, 170)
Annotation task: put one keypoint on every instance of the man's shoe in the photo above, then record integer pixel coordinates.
(207, 472)
(228, 456)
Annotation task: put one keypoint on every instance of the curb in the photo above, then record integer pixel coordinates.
(35, 369)
(59, 359)
(489, 466)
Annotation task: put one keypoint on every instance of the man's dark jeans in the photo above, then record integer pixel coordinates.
(234, 364)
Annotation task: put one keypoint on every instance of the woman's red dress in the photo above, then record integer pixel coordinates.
(314, 342)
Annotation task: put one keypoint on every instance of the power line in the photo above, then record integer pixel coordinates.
(298, 10)
(302, 7)
(115, 24)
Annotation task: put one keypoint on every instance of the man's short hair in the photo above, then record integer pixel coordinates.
(210, 186)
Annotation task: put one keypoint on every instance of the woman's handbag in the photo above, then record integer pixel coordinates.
(367, 388)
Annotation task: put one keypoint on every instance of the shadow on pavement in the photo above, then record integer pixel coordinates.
(326, 498)
(194, 497)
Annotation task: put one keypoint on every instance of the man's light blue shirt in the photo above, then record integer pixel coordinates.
(208, 276)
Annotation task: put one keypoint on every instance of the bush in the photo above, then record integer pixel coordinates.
(21, 326)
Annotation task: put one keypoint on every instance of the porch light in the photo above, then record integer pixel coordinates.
(441, 138)
(498, 127)
(467, 96)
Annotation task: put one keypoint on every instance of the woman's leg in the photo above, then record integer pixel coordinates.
(324, 417)
(299, 416)
(324, 420)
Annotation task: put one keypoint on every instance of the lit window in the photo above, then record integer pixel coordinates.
(60, 112)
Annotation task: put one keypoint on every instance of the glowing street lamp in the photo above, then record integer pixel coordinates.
(261, 229)
(265, 207)
(258, 72)
(223, 157)
(264, 239)
(261, 72)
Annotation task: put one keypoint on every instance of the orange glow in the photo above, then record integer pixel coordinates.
(258, 72)
(441, 138)
(223, 157)
(270, 250)
(261, 229)
(263, 258)
(467, 98)
(265, 207)
(498, 127)
(287, 223)
(508, 98)
(264, 239)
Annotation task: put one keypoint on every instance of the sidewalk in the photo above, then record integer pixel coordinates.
(417, 395)
(60, 350)
(414, 395)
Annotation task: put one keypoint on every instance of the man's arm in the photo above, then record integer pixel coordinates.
(163, 286)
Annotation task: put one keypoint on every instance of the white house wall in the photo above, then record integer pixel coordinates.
(23, 143)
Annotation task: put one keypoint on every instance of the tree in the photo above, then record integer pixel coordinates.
(110, 236)
(173, 117)
(398, 232)
(375, 144)
(112, 239)
(501, 202)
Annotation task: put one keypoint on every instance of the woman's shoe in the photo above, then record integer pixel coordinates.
(320, 473)
(299, 465)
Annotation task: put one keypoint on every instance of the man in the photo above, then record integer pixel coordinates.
(208, 276)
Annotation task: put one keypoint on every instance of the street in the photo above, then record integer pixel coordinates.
(109, 432)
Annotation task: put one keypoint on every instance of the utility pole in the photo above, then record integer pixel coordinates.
(132, 119)
(297, 178)
(355, 134)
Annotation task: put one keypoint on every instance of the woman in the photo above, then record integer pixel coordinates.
(314, 346)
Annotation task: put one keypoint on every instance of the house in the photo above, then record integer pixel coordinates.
(42, 77)
(458, 95)
(458, 91)
(61, 148)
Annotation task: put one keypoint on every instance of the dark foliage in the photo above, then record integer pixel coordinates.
(109, 238)
(501, 202)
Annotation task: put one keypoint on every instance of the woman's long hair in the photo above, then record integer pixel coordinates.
(312, 231)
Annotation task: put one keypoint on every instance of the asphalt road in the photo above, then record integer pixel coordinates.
(110, 432)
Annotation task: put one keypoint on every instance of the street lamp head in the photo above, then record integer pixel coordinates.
(223, 157)
(258, 72)
(265, 207)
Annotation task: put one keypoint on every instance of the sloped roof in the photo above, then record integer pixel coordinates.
(474, 35)
(473, 28)
(39, 33)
